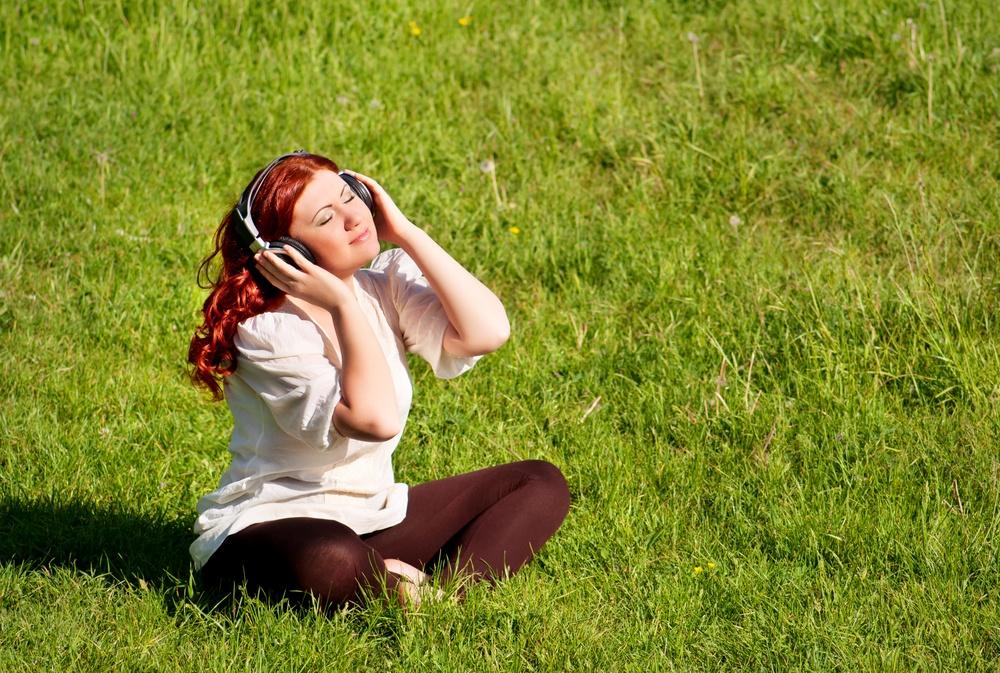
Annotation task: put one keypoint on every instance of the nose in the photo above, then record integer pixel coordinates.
(355, 216)
(352, 223)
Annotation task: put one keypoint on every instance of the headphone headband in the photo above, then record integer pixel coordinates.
(245, 203)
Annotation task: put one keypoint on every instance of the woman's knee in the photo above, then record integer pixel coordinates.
(339, 570)
(551, 479)
(305, 555)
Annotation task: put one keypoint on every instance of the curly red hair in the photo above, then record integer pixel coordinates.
(239, 291)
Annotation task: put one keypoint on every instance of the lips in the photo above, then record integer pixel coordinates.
(363, 237)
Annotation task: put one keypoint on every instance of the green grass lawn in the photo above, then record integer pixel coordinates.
(750, 255)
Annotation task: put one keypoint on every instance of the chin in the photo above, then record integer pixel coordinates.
(372, 248)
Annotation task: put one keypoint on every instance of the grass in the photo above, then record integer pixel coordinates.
(753, 293)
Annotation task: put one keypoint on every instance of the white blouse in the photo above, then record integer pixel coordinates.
(288, 460)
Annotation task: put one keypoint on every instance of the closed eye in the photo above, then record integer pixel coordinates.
(331, 217)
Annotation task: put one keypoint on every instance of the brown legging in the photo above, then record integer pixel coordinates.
(482, 525)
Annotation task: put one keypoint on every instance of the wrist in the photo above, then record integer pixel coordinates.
(340, 302)
(408, 234)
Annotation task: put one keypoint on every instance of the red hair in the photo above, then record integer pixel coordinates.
(239, 291)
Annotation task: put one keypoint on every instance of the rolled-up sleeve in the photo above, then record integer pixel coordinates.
(422, 318)
(285, 365)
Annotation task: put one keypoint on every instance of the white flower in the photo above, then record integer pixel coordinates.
(487, 166)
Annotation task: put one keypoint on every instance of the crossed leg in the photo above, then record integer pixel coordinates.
(482, 525)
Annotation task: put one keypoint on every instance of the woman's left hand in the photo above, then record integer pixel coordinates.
(390, 223)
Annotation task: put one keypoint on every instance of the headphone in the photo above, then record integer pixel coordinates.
(248, 236)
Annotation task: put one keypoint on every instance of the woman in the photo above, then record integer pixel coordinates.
(312, 361)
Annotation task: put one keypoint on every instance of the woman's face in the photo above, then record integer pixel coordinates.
(334, 224)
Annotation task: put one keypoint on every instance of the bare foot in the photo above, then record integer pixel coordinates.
(414, 575)
(411, 580)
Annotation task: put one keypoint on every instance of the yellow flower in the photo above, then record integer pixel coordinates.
(698, 570)
(414, 29)
(711, 565)
(465, 21)
(515, 230)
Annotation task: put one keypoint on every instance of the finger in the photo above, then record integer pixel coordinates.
(281, 269)
(278, 269)
(369, 182)
(281, 266)
(264, 263)
(270, 277)
(297, 256)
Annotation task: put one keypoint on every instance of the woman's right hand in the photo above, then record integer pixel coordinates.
(310, 282)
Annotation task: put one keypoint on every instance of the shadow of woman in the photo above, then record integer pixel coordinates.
(146, 549)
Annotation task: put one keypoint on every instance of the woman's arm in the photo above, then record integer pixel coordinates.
(478, 321)
(367, 409)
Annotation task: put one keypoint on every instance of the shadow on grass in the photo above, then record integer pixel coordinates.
(139, 549)
(126, 545)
